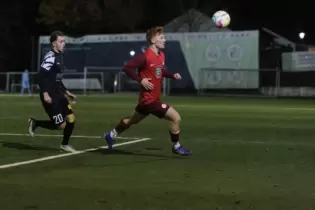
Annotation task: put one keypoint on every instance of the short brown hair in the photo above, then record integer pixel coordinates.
(54, 35)
(153, 32)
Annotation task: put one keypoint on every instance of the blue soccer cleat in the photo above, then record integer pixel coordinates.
(182, 151)
(109, 140)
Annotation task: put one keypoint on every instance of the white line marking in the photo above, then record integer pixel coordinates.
(74, 136)
(136, 138)
(211, 141)
(68, 154)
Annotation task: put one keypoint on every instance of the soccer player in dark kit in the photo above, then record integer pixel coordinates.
(52, 93)
(151, 71)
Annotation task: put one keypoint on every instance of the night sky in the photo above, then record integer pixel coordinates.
(287, 18)
(19, 20)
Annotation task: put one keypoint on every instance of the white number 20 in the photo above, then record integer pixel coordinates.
(58, 118)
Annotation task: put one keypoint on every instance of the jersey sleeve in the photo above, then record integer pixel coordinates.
(48, 62)
(45, 80)
(62, 86)
(137, 63)
(167, 74)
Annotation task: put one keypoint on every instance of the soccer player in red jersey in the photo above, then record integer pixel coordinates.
(151, 71)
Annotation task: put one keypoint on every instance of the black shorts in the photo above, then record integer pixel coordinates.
(59, 108)
(155, 108)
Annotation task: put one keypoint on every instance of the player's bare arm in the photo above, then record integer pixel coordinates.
(47, 98)
(71, 95)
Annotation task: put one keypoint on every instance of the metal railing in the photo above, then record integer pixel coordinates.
(265, 82)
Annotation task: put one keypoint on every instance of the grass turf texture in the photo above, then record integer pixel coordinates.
(247, 154)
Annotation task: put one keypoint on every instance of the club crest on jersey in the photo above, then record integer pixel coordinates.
(158, 71)
(59, 76)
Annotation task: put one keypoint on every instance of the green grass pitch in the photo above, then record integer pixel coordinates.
(247, 154)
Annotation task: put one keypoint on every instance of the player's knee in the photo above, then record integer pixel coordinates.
(175, 124)
(173, 116)
(176, 119)
(62, 125)
(135, 120)
(71, 118)
(131, 120)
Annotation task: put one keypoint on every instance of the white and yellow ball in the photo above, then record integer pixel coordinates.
(221, 19)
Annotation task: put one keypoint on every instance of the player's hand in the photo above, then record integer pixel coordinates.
(47, 98)
(177, 76)
(146, 83)
(72, 96)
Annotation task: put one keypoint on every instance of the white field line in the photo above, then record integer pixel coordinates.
(284, 143)
(11, 165)
(74, 136)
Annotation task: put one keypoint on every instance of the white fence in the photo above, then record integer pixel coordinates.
(92, 80)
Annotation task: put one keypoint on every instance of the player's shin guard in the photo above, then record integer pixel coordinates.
(121, 127)
(67, 132)
(47, 124)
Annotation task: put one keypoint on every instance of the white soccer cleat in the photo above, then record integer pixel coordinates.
(67, 148)
(31, 126)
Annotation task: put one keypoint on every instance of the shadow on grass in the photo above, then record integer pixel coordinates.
(122, 152)
(21, 146)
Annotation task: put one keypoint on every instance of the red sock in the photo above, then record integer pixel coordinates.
(121, 127)
(174, 137)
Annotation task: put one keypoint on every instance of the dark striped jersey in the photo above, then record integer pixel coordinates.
(51, 74)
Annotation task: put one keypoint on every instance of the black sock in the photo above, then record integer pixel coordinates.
(47, 124)
(67, 133)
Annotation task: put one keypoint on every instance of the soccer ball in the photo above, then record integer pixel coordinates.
(221, 19)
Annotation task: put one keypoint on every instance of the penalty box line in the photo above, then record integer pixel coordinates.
(73, 136)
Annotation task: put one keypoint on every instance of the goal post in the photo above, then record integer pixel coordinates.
(110, 79)
(14, 82)
(93, 80)
(115, 80)
(84, 82)
(78, 82)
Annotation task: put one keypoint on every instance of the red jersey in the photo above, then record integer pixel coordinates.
(149, 65)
